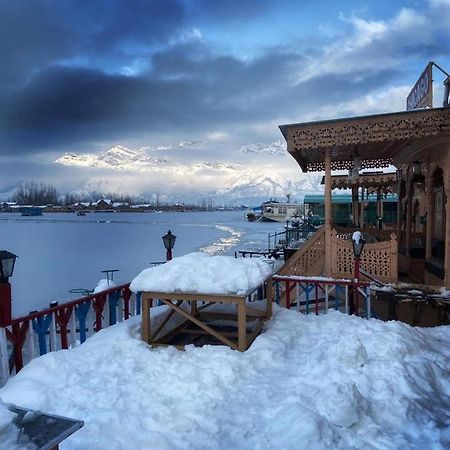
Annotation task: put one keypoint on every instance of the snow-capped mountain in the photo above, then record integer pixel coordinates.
(276, 148)
(116, 158)
(138, 172)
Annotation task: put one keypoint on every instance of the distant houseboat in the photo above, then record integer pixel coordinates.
(31, 211)
(273, 211)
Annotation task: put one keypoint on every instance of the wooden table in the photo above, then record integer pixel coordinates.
(196, 314)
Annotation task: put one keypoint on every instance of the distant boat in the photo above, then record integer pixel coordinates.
(31, 211)
(81, 213)
(273, 211)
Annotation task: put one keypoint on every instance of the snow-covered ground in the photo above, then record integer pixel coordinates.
(308, 382)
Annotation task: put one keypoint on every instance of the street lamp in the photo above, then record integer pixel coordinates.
(358, 246)
(169, 242)
(7, 261)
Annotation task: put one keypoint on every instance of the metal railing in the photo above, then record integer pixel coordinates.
(319, 294)
(62, 326)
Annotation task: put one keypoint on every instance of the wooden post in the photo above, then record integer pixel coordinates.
(242, 326)
(355, 205)
(429, 210)
(361, 210)
(328, 214)
(447, 222)
(145, 318)
(408, 219)
(269, 298)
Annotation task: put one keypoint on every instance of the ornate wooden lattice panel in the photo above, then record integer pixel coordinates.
(378, 259)
(309, 259)
(375, 138)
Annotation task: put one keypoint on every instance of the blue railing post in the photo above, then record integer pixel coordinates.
(81, 312)
(41, 327)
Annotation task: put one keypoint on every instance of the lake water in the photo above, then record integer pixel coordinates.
(58, 252)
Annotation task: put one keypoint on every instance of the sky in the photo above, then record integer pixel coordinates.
(82, 76)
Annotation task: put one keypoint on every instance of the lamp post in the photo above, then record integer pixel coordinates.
(358, 246)
(7, 261)
(169, 242)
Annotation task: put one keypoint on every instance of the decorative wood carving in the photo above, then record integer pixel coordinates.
(376, 138)
(378, 259)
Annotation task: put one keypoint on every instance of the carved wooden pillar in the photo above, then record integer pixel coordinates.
(429, 211)
(328, 214)
(355, 205)
(447, 221)
(361, 211)
(382, 208)
(408, 215)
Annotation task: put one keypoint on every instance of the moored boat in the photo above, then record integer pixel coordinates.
(273, 211)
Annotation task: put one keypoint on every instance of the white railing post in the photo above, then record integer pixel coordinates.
(4, 362)
(30, 341)
(52, 331)
(73, 329)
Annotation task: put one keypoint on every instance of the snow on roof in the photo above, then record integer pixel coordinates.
(203, 274)
(308, 382)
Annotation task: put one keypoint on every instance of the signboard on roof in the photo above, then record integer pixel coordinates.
(421, 95)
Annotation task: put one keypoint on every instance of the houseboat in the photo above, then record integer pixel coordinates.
(273, 211)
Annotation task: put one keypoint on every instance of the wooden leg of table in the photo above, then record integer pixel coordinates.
(242, 327)
(145, 319)
(193, 307)
(269, 298)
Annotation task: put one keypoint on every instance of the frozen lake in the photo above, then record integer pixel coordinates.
(58, 252)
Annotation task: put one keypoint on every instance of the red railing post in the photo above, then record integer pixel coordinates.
(17, 338)
(98, 305)
(62, 317)
(126, 295)
(288, 295)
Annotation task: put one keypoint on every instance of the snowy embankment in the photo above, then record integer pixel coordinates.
(314, 382)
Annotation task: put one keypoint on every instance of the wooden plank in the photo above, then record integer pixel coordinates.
(215, 298)
(253, 312)
(218, 316)
(242, 327)
(202, 325)
(165, 320)
(200, 331)
(173, 332)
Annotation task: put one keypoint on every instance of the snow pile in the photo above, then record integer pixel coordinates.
(203, 274)
(104, 285)
(314, 382)
(9, 432)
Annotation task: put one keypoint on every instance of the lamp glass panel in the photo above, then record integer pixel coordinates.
(7, 267)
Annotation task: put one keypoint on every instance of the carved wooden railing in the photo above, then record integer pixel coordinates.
(373, 233)
(379, 259)
(309, 258)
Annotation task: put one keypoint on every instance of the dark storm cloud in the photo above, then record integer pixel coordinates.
(188, 88)
(38, 33)
(62, 81)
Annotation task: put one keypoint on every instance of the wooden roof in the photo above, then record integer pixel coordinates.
(379, 140)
